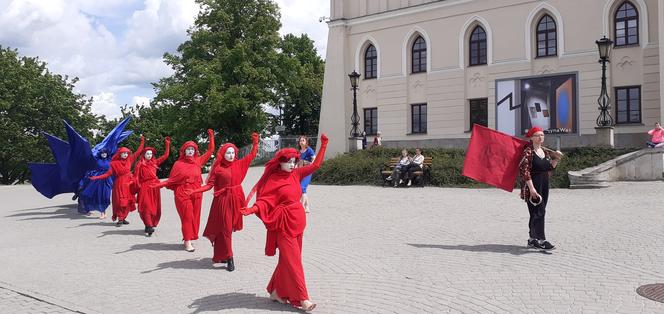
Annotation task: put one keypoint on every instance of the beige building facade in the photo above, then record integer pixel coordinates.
(429, 69)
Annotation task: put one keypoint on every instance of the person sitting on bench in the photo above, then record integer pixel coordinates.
(416, 164)
(657, 136)
(400, 168)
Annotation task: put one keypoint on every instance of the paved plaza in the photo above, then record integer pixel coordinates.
(366, 250)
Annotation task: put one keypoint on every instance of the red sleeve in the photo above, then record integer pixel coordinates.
(137, 152)
(203, 159)
(103, 176)
(318, 161)
(525, 164)
(167, 151)
(246, 160)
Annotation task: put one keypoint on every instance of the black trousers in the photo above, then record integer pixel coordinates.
(536, 222)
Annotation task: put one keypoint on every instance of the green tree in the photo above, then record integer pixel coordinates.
(34, 100)
(299, 85)
(224, 72)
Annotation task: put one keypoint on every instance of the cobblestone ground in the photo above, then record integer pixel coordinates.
(366, 250)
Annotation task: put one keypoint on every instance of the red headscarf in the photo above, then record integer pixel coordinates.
(220, 161)
(184, 157)
(120, 151)
(271, 167)
(533, 130)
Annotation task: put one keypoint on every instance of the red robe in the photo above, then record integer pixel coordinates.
(149, 198)
(225, 217)
(185, 177)
(278, 206)
(122, 198)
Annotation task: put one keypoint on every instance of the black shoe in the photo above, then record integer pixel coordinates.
(119, 223)
(546, 245)
(124, 222)
(230, 266)
(146, 229)
(149, 231)
(531, 243)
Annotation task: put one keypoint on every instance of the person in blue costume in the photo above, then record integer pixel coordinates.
(95, 195)
(307, 156)
(74, 161)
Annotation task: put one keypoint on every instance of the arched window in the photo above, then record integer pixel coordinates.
(419, 56)
(370, 62)
(547, 42)
(627, 25)
(478, 49)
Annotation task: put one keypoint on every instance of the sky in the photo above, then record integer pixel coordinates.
(115, 47)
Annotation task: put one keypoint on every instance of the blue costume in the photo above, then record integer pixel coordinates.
(74, 163)
(307, 155)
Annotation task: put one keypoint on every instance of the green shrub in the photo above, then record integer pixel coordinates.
(363, 167)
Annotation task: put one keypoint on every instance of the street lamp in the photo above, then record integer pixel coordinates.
(604, 119)
(355, 118)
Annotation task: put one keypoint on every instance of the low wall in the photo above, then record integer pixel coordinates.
(643, 165)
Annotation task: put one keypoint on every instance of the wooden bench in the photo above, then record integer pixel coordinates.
(418, 176)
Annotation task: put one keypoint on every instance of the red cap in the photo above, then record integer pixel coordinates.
(533, 130)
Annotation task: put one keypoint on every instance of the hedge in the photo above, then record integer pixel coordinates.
(363, 167)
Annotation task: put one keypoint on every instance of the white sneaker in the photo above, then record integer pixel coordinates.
(409, 182)
(389, 178)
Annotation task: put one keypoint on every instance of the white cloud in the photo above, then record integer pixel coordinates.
(140, 100)
(301, 16)
(106, 104)
(115, 47)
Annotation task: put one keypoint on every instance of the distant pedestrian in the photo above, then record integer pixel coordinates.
(307, 156)
(378, 140)
(656, 136)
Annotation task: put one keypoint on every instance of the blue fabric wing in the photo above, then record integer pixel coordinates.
(111, 141)
(80, 156)
(46, 180)
(60, 151)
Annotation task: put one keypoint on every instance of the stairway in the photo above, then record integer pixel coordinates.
(642, 165)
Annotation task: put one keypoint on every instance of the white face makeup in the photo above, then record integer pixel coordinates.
(288, 166)
(189, 151)
(538, 138)
(230, 154)
(124, 155)
(103, 155)
(148, 155)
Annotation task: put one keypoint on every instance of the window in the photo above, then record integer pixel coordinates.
(371, 121)
(419, 56)
(546, 37)
(418, 118)
(627, 25)
(628, 104)
(478, 49)
(479, 112)
(370, 62)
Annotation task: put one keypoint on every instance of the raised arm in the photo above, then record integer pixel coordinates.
(103, 176)
(167, 151)
(210, 150)
(309, 169)
(246, 160)
(138, 150)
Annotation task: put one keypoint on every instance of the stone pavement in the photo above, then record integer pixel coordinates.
(366, 250)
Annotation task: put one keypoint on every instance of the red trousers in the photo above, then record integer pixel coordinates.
(288, 277)
(149, 205)
(223, 247)
(189, 210)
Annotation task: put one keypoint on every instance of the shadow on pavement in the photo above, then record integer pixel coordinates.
(193, 263)
(106, 223)
(68, 211)
(490, 248)
(154, 247)
(139, 232)
(236, 300)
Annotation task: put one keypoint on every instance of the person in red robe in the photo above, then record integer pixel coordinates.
(226, 177)
(278, 205)
(185, 177)
(122, 197)
(149, 198)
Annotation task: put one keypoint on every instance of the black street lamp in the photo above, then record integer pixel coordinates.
(355, 118)
(604, 119)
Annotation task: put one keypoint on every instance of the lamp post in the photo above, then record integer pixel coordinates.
(604, 119)
(355, 118)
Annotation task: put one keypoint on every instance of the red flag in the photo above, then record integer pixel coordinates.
(493, 157)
